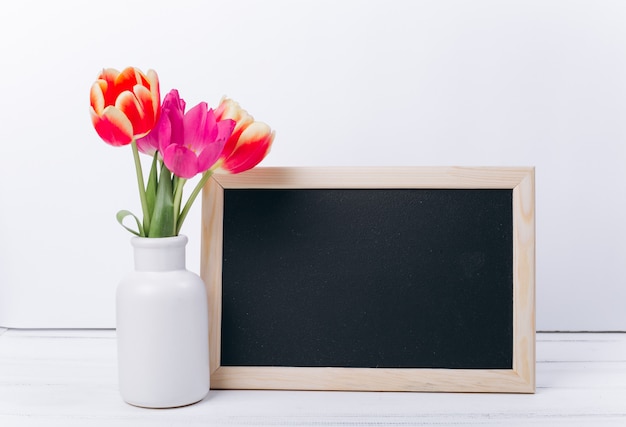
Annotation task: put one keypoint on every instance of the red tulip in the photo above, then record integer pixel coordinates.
(250, 141)
(124, 105)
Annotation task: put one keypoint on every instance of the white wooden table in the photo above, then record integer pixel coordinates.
(69, 378)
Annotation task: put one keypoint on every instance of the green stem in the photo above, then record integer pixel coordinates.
(179, 183)
(142, 187)
(192, 198)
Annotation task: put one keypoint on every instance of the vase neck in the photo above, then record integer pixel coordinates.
(159, 254)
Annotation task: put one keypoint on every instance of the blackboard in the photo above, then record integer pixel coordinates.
(352, 273)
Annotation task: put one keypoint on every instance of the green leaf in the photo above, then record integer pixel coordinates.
(121, 215)
(162, 222)
(151, 187)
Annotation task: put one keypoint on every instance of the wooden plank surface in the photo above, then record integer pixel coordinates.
(69, 378)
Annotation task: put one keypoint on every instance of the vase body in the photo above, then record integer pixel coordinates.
(162, 327)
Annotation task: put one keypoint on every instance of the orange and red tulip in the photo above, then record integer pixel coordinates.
(250, 141)
(124, 105)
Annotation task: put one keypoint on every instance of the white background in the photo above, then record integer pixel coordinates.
(343, 82)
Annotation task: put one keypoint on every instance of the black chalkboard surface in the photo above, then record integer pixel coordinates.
(368, 274)
(368, 278)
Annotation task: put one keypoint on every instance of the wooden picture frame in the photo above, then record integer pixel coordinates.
(519, 379)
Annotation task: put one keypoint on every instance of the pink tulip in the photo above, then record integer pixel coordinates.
(124, 105)
(250, 141)
(190, 143)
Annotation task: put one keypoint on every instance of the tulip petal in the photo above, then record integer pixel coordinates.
(231, 143)
(109, 75)
(128, 79)
(174, 109)
(197, 127)
(127, 103)
(181, 161)
(254, 144)
(134, 108)
(225, 129)
(213, 151)
(157, 139)
(96, 96)
(148, 119)
(257, 131)
(229, 109)
(107, 81)
(113, 126)
(246, 157)
(153, 79)
(209, 155)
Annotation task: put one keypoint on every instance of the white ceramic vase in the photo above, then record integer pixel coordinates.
(162, 327)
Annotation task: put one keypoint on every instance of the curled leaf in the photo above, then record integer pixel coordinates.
(123, 214)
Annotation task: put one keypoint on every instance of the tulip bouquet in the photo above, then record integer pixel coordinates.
(126, 109)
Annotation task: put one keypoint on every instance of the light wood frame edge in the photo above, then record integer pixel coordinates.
(520, 379)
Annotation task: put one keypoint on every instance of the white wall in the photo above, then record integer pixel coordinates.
(344, 82)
